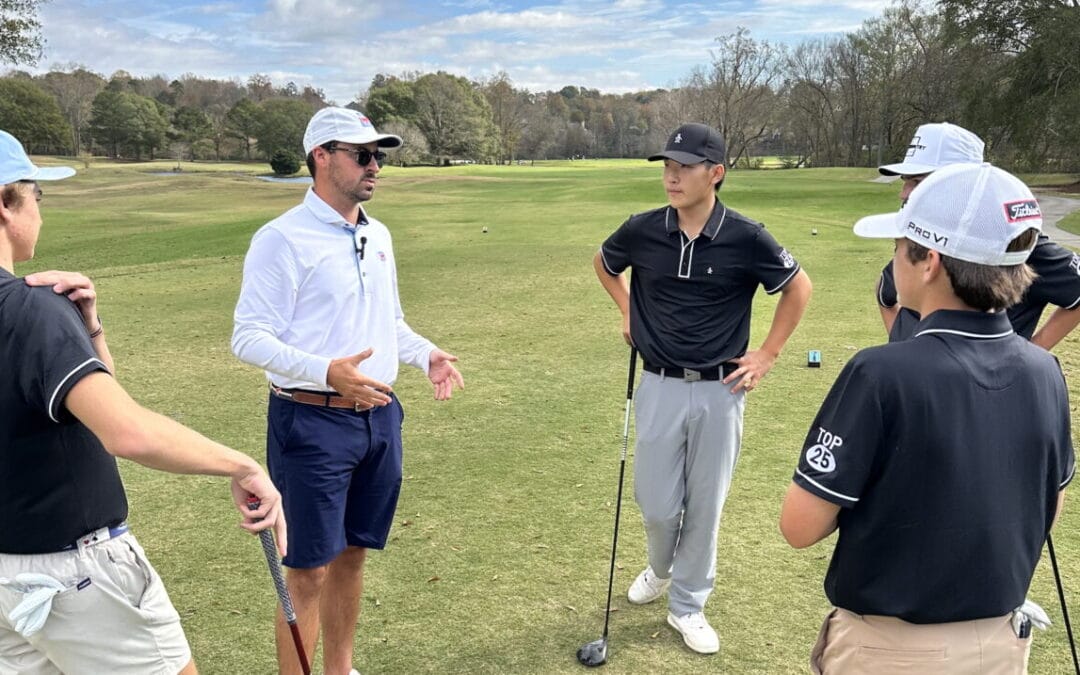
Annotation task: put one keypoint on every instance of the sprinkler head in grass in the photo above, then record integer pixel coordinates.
(593, 654)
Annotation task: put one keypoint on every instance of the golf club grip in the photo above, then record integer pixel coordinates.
(272, 561)
(630, 377)
(270, 549)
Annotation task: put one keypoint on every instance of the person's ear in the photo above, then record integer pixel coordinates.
(932, 267)
(6, 215)
(718, 173)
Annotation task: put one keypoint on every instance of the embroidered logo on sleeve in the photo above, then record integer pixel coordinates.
(1074, 263)
(786, 259)
(820, 455)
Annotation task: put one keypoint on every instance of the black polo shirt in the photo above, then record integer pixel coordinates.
(690, 299)
(946, 453)
(57, 482)
(1057, 283)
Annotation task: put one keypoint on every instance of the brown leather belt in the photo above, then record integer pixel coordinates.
(323, 400)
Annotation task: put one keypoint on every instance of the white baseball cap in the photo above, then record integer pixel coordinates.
(16, 166)
(935, 146)
(345, 125)
(966, 211)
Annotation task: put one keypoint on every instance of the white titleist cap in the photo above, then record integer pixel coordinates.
(966, 211)
(935, 146)
(347, 126)
(16, 166)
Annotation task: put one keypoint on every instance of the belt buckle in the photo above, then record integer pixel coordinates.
(691, 375)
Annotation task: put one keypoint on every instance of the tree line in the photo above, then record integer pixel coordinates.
(1009, 70)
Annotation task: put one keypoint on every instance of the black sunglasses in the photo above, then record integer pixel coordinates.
(362, 156)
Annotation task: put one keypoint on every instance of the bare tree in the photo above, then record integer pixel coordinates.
(507, 112)
(734, 94)
(74, 88)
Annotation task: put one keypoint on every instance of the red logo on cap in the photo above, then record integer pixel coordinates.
(1024, 209)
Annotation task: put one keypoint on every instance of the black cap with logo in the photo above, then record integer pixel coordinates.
(693, 144)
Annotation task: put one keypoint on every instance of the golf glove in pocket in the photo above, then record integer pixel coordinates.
(1027, 615)
(29, 616)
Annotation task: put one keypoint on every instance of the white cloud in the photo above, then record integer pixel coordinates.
(339, 45)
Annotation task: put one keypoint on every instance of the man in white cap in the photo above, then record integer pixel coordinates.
(1057, 268)
(319, 312)
(940, 459)
(77, 594)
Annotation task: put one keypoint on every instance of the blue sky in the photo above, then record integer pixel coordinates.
(338, 45)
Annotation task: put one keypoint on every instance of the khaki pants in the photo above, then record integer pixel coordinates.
(120, 622)
(853, 644)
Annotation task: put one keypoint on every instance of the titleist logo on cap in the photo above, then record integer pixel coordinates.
(1022, 210)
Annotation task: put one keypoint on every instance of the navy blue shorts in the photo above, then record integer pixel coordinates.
(339, 474)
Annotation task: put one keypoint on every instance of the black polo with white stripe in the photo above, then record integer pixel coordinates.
(690, 300)
(946, 453)
(1057, 283)
(57, 482)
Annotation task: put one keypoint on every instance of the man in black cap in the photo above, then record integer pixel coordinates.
(686, 308)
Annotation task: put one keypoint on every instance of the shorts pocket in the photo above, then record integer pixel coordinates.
(282, 420)
(884, 656)
(130, 573)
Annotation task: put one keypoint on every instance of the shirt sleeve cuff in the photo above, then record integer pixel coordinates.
(316, 370)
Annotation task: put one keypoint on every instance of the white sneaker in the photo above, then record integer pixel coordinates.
(647, 587)
(696, 632)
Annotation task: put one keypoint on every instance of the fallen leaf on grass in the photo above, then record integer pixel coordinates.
(579, 485)
(542, 546)
(433, 579)
(235, 611)
(571, 608)
(455, 548)
(406, 523)
(654, 635)
(618, 566)
(495, 578)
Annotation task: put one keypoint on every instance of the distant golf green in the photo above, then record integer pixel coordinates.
(499, 554)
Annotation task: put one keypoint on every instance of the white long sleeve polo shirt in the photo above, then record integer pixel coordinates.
(307, 297)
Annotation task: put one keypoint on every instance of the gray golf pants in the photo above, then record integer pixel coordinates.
(688, 437)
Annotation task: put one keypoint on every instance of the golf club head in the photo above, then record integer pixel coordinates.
(593, 654)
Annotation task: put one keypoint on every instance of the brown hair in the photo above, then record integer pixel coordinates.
(12, 195)
(985, 287)
(310, 159)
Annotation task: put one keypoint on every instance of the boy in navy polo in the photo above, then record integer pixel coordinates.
(940, 459)
(77, 594)
(1057, 269)
(697, 265)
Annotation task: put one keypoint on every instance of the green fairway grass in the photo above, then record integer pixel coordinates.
(498, 558)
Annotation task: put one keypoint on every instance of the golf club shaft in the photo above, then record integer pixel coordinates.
(1061, 597)
(622, 471)
(278, 576)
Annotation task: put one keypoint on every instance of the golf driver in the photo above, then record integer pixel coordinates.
(594, 653)
(270, 550)
(1061, 597)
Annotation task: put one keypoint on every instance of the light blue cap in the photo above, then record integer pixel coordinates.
(16, 166)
